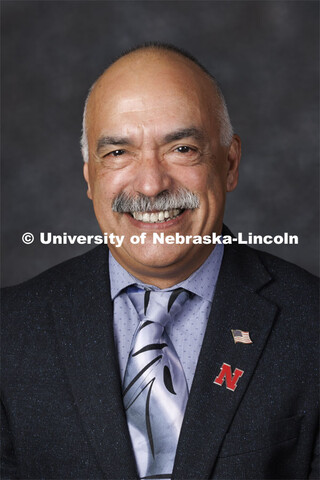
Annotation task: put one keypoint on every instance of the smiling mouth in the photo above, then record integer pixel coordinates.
(157, 217)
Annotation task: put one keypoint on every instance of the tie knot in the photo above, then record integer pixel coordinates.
(156, 305)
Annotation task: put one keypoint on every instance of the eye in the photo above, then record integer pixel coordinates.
(115, 153)
(184, 149)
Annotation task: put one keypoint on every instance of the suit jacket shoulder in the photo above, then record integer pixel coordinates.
(62, 283)
(47, 283)
(290, 283)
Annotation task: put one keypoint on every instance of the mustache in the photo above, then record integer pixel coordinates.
(181, 199)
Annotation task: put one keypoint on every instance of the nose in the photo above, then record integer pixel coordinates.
(152, 176)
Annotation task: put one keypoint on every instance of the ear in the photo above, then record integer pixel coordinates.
(234, 155)
(86, 176)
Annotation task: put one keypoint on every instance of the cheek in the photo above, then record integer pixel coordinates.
(193, 178)
(200, 179)
(107, 185)
(208, 182)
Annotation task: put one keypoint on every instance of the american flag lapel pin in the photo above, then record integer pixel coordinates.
(241, 336)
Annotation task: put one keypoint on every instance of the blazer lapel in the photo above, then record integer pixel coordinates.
(211, 407)
(84, 324)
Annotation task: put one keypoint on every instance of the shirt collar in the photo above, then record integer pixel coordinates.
(201, 282)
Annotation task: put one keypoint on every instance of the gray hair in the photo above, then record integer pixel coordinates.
(182, 199)
(226, 130)
(84, 137)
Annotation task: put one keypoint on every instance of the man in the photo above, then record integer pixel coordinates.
(161, 360)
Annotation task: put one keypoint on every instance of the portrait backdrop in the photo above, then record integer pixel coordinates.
(263, 53)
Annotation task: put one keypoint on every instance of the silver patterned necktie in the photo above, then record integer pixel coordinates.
(155, 391)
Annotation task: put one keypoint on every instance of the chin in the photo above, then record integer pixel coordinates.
(158, 256)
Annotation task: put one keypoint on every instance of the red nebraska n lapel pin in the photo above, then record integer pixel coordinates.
(226, 375)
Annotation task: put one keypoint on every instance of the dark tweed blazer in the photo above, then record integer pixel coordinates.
(61, 395)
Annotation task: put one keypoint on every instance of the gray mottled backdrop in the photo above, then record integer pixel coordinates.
(265, 54)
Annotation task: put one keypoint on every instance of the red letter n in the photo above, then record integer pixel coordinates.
(226, 374)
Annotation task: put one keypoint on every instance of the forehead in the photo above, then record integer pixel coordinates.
(150, 86)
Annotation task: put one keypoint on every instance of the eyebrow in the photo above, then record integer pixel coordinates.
(184, 133)
(179, 134)
(105, 141)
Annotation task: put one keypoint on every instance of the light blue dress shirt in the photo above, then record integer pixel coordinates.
(188, 328)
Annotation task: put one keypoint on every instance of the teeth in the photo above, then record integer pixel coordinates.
(156, 217)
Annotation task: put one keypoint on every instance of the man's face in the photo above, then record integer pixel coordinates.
(152, 128)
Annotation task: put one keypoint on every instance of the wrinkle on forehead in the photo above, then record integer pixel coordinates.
(150, 103)
(149, 122)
